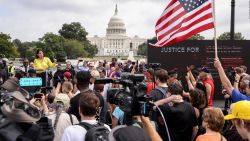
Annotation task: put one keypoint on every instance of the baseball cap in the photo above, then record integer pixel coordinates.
(63, 98)
(240, 110)
(67, 75)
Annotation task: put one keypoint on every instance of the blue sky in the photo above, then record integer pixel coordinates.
(29, 20)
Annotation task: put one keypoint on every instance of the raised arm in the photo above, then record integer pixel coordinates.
(57, 89)
(224, 80)
(190, 85)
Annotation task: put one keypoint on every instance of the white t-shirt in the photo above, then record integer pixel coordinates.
(77, 132)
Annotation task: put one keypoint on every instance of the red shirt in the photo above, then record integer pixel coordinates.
(211, 83)
(150, 87)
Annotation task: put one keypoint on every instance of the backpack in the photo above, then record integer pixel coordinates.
(162, 93)
(96, 132)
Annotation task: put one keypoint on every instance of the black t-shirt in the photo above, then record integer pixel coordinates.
(74, 103)
(180, 120)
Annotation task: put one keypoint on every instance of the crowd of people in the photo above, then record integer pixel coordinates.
(77, 108)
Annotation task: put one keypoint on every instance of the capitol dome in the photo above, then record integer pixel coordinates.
(116, 25)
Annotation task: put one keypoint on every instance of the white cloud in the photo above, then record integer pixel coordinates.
(28, 20)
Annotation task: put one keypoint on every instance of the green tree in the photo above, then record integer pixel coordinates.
(22, 48)
(74, 49)
(143, 49)
(196, 37)
(226, 36)
(52, 45)
(73, 31)
(7, 47)
(90, 49)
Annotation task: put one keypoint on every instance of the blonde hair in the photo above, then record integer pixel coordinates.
(67, 87)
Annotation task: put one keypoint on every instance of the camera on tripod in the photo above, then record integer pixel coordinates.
(132, 98)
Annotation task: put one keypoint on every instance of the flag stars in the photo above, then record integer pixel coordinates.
(190, 5)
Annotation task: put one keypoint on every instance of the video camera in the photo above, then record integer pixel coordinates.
(132, 98)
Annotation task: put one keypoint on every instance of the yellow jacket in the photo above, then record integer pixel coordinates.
(44, 63)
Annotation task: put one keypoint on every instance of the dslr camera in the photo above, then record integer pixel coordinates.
(132, 98)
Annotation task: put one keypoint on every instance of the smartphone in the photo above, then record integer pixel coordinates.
(38, 96)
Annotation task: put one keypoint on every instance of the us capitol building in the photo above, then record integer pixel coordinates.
(116, 42)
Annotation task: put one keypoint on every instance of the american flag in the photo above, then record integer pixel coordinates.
(183, 18)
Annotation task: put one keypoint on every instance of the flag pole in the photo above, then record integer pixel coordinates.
(215, 37)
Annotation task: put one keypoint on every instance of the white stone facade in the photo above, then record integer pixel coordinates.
(116, 42)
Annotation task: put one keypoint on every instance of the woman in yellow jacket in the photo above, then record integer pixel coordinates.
(42, 63)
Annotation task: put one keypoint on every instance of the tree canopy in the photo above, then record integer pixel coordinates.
(73, 31)
(70, 43)
(196, 37)
(7, 47)
(226, 36)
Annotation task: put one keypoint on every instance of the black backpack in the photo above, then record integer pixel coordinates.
(96, 132)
